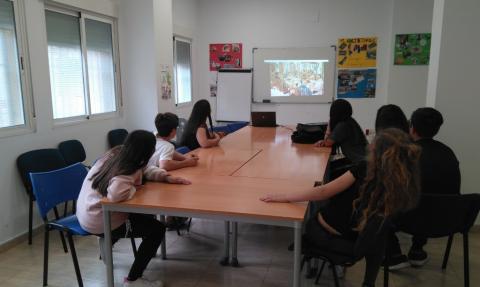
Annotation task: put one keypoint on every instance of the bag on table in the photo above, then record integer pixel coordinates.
(309, 133)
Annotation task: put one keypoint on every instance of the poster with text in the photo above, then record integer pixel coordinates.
(226, 56)
(412, 49)
(357, 52)
(353, 83)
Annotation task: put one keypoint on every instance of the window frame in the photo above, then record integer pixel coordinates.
(25, 74)
(82, 16)
(190, 42)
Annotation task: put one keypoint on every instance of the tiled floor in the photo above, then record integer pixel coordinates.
(193, 261)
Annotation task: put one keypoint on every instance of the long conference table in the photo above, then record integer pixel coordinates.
(228, 182)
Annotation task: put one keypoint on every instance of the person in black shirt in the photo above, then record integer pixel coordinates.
(360, 185)
(440, 174)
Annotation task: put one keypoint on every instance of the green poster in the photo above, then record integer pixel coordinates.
(412, 49)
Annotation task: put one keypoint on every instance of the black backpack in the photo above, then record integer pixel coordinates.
(309, 133)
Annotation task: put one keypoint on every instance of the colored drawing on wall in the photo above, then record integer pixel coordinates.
(357, 83)
(357, 52)
(166, 83)
(225, 56)
(213, 83)
(412, 49)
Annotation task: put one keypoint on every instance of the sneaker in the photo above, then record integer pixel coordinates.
(417, 258)
(397, 262)
(142, 282)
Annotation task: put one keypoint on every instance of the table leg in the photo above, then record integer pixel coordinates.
(297, 254)
(226, 242)
(164, 241)
(108, 247)
(234, 261)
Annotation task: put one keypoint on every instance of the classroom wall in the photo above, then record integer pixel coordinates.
(457, 95)
(407, 86)
(300, 23)
(13, 199)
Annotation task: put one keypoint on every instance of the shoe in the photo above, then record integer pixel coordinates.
(417, 258)
(141, 282)
(397, 262)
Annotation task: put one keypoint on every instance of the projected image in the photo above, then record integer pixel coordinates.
(296, 77)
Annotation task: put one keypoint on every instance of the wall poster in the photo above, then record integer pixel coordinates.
(356, 83)
(357, 52)
(227, 55)
(412, 49)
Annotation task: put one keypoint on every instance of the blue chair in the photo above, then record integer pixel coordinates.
(50, 189)
(233, 127)
(221, 129)
(183, 150)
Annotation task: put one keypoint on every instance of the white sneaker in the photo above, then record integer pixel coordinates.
(141, 282)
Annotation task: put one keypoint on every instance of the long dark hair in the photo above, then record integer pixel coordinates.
(391, 116)
(340, 111)
(392, 183)
(125, 159)
(200, 113)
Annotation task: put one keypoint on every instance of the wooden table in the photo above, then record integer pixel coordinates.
(228, 182)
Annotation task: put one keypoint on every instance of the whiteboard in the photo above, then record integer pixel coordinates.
(234, 95)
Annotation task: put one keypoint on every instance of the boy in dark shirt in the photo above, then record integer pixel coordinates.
(440, 174)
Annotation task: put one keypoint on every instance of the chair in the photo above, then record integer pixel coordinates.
(38, 161)
(183, 150)
(233, 127)
(442, 216)
(116, 137)
(371, 243)
(50, 189)
(221, 129)
(72, 151)
(182, 123)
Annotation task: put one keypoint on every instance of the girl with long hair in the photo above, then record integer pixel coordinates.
(387, 185)
(197, 133)
(115, 176)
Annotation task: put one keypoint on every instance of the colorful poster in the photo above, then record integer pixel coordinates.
(213, 83)
(166, 83)
(357, 83)
(225, 56)
(412, 49)
(357, 52)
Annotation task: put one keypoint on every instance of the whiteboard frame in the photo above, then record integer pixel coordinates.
(222, 115)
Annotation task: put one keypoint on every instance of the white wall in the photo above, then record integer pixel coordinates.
(407, 86)
(457, 95)
(13, 199)
(296, 23)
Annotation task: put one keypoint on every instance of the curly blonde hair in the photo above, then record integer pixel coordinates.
(392, 183)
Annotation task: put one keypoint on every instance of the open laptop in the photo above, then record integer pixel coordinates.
(264, 119)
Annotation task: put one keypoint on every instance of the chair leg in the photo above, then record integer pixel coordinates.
(134, 247)
(320, 272)
(335, 276)
(62, 237)
(304, 259)
(45, 256)
(65, 209)
(466, 262)
(75, 260)
(30, 220)
(447, 252)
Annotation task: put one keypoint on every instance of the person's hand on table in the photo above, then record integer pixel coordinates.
(177, 180)
(277, 197)
(320, 143)
(192, 161)
(222, 134)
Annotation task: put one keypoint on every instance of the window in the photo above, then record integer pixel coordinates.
(182, 70)
(13, 77)
(82, 59)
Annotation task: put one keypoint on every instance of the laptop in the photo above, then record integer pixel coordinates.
(264, 119)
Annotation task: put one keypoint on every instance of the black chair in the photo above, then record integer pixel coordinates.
(370, 244)
(72, 151)
(41, 160)
(182, 123)
(442, 216)
(116, 137)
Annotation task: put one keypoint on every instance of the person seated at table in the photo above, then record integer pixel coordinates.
(389, 185)
(343, 131)
(391, 116)
(440, 174)
(115, 176)
(197, 133)
(165, 155)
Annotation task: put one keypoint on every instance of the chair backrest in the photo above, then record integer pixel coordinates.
(116, 137)
(182, 123)
(40, 160)
(72, 151)
(54, 187)
(233, 127)
(183, 150)
(441, 215)
(221, 129)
